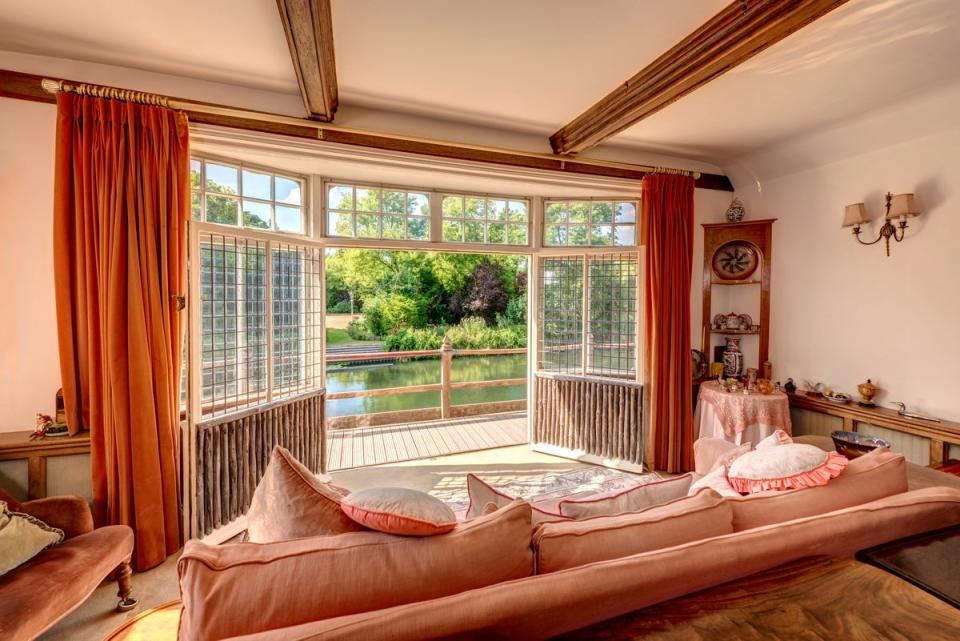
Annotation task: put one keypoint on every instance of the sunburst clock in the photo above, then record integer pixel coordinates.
(735, 260)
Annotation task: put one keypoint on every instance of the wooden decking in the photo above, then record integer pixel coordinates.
(392, 443)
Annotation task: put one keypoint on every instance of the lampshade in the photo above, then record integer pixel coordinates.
(855, 214)
(903, 205)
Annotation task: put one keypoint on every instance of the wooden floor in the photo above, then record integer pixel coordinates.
(392, 443)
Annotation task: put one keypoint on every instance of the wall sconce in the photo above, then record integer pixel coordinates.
(901, 206)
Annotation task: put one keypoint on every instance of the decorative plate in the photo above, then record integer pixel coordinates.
(719, 321)
(736, 260)
(699, 364)
(745, 321)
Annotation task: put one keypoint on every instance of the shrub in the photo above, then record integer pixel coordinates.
(471, 333)
(516, 312)
(340, 307)
(388, 312)
(357, 330)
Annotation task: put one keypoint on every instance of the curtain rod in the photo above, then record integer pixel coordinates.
(220, 115)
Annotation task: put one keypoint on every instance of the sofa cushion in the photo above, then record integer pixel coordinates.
(49, 586)
(709, 453)
(779, 437)
(632, 499)
(784, 467)
(398, 510)
(481, 493)
(562, 545)
(716, 481)
(870, 477)
(292, 502)
(22, 537)
(241, 588)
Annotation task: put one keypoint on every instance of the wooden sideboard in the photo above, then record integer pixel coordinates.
(940, 434)
(18, 446)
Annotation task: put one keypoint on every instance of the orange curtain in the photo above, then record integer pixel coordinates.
(668, 235)
(121, 202)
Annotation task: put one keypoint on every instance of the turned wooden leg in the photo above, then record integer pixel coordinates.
(126, 602)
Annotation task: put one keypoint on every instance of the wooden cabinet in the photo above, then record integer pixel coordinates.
(18, 446)
(722, 283)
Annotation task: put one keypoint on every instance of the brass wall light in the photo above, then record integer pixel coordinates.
(901, 206)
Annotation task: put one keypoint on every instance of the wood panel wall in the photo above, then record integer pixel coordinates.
(916, 449)
(599, 417)
(233, 452)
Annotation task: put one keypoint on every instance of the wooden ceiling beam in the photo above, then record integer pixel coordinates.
(309, 28)
(740, 31)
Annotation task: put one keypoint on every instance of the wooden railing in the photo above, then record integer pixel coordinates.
(446, 385)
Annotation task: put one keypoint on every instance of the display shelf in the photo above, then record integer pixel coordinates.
(738, 332)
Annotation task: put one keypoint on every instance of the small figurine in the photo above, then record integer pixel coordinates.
(789, 387)
(867, 391)
(44, 422)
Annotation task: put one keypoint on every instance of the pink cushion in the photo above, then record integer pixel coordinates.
(397, 510)
(873, 476)
(716, 481)
(785, 467)
(292, 502)
(632, 499)
(481, 493)
(707, 453)
(239, 588)
(779, 437)
(562, 545)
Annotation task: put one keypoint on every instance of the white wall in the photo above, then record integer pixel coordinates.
(842, 312)
(29, 365)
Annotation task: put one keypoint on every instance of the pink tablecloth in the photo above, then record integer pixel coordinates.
(739, 417)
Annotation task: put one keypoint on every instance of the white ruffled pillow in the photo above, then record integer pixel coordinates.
(715, 480)
(784, 467)
(777, 438)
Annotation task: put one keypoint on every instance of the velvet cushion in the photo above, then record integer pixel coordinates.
(292, 502)
(562, 545)
(22, 537)
(240, 588)
(632, 499)
(397, 510)
(873, 476)
(784, 467)
(68, 513)
(50, 585)
(482, 493)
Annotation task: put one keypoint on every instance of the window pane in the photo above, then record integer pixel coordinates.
(517, 211)
(474, 208)
(577, 235)
(256, 185)
(194, 173)
(555, 235)
(496, 209)
(453, 231)
(497, 233)
(288, 191)
(222, 179)
(394, 201)
(368, 199)
(196, 211)
(556, 213)
(340, 197)
(339, 224)
(626, 213)
(418, 204)
(393, 227)
(256, 214)
(625, 235)
(579, 211)
(474, 232)
(290, 219)
(366, 225)
(517, 235)
(453, 206)
(418, 228)
(602, 213)
(221, 209)
(602, 235)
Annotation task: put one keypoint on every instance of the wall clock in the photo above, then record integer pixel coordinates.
(735, 260)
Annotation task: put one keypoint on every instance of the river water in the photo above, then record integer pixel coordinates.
(424, 372)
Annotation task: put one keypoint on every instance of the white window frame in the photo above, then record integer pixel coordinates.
(486, 221)
(589, 225)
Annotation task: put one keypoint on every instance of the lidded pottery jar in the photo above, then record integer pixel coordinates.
(732, 358)
(867, 390)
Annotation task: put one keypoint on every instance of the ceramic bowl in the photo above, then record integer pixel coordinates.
(854, 444)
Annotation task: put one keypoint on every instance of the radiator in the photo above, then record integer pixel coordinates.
(598, 417)
(233, 451)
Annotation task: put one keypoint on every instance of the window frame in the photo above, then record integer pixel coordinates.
(486, 220)
(326, 210)
(590, 224)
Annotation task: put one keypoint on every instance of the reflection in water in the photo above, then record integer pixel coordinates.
(424, 372)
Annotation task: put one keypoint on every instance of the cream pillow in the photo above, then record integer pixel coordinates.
(398, 510)
(777, 438)
(717, 481)
(482, 495)
(784, 467)
(633, 499)
(22, 537)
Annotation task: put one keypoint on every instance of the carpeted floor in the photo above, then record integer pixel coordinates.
(951, 467)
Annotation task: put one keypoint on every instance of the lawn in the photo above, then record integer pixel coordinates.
(340, 337)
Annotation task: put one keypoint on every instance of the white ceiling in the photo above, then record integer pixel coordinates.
(526, 65)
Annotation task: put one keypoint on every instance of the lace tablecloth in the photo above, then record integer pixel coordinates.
(741, 417)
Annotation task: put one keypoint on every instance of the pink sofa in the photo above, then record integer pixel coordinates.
(239, 592)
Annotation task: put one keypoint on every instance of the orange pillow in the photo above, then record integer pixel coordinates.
(291, 502)
(397, 510)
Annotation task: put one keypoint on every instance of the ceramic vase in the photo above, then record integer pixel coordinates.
(732, 358)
